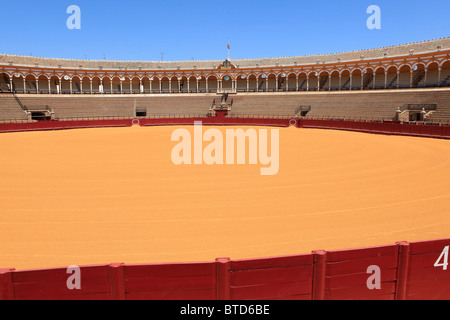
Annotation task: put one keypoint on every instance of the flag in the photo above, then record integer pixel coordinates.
(228, 45)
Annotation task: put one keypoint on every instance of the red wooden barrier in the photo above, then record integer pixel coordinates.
(6, 284)
(406, 271)
(59, 125)
(347, 273)
(282, 278)
(51, 284)
(429, 274)
(188, 281)
(432, 131)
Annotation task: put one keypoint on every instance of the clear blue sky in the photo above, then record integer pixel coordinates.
(200, 29)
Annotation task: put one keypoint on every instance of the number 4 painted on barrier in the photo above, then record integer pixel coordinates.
(443, 256)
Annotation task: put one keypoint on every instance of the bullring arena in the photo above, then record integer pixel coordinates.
(87, 177)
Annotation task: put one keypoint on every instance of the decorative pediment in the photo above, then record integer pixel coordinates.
(226, 65)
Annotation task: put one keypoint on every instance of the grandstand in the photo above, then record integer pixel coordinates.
(367, 84)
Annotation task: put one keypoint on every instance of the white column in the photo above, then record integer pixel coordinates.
(439, 76)
(296, 83)
(248, 85)
(90, 80)
(351, 82)
(307, 82)
(37, 85)
(70, 83)
(340, 82)
(411, 79)
(49, 86)
(398, 79)
(385, 79)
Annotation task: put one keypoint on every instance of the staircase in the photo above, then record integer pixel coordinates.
(322, 82)
(367, 80)
(390, 84)
(417, 78)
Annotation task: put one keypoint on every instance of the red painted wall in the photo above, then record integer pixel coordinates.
(407, 271)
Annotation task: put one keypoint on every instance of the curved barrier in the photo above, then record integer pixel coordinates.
(403, 271)
(390, 128)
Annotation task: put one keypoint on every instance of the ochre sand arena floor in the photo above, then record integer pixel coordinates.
(97, 196)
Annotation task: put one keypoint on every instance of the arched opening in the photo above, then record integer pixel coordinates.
(405, 77)
(432, 75)
(116, 85)
(126, 85)
(18, 83)
(86, 85)
(192, 84)
(155, 84)
(418, 77)
(272, 84)
(212, 84)
(313, 81)
(65, 84)
(106, 83)
(136, 85)
(146, 86)
(174, 88)
(302, 82)
(55, 84)
(76, 85)
(391, 82)
(345, 80)
(262, 78)
(281, 82)
(96, 82)
(445, 74)
(202, 83)
(30, 84)
(252, 83)
(356, 83)
(334, 81)
(241, 83)
(291, 82)
(165, 85)
(368, 79)
(380, 79)
(5, 83)
(184, 84)
(324, 80)
(227, 83)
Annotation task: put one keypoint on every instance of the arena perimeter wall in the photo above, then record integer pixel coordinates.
(407, 272)
(390, 128)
